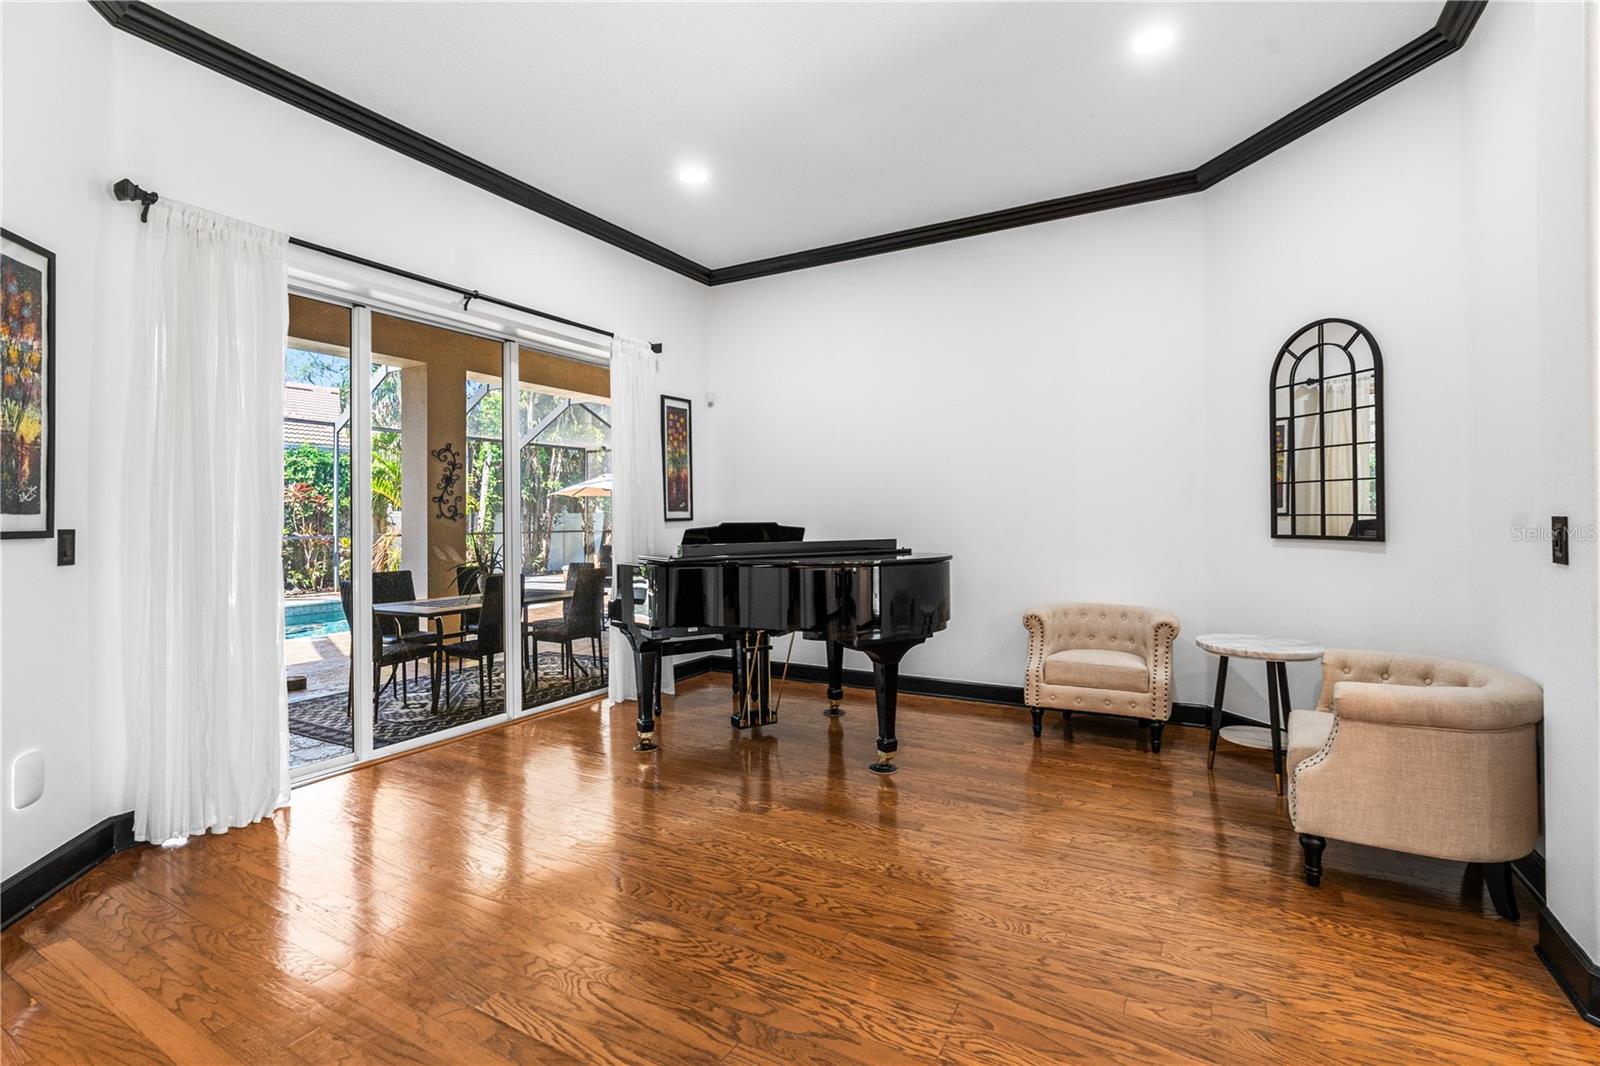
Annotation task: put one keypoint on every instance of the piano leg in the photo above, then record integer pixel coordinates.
(886, 658)
(835, 679)
(647, 674)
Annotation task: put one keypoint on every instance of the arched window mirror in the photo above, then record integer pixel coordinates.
(1327, 434)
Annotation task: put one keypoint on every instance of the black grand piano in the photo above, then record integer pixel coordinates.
(734, 586)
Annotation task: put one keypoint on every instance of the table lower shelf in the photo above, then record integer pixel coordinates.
(1247, 736)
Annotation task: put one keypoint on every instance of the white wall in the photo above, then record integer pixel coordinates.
(57, 144)
(1025, 401)
(115, 106)
(1077, 410)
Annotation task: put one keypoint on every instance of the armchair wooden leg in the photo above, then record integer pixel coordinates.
(1155, 737)
(1497, 876)
(1313, 848)
(1038, 720)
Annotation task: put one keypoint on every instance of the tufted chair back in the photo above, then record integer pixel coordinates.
(1106, 626)
(1389, 668)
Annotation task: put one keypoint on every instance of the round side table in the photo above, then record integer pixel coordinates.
(1275, 651)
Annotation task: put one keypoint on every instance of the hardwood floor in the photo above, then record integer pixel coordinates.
(543, 893)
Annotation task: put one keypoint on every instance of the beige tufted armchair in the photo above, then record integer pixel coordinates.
(1100, 658)
(1423, 755)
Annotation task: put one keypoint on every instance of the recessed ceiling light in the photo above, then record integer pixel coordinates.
(694, 174)
(1153, 40)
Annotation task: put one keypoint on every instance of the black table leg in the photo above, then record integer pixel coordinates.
(1216, 708)
(886, 658)
(1273, 689)
(1286, 709)
(835, 679)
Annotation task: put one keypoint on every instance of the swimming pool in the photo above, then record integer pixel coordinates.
(313, 618)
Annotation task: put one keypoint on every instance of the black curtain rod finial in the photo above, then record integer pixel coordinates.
(656, 347)
(127, 190)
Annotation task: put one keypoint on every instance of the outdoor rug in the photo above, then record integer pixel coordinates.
(325, 717)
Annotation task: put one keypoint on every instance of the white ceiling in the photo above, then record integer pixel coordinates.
(820, 122)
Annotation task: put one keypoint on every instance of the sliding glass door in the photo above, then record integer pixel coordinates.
(317, 498)
(439, 595)
(418, 603)
(564, 455)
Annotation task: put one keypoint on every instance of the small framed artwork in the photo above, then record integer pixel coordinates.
(677, 459)
(27, 388)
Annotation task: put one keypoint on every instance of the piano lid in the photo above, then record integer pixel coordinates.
(743, 533)
(794, 550)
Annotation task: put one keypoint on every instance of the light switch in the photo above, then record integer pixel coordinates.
(1560, 544)
(27, 779)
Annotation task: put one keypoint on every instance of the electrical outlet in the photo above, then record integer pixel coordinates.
(1559, 542)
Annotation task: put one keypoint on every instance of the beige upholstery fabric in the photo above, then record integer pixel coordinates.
(1423, 755)
(1119, 671)
(1080, 683)
(1308, 731)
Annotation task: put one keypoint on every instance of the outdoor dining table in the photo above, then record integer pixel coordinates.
(437, 608)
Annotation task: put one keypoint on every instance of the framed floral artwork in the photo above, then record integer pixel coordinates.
(27, 388)
(677, 459)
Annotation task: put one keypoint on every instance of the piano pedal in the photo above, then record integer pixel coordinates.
(885, 763)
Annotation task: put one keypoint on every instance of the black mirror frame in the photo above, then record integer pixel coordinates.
(1380, 511)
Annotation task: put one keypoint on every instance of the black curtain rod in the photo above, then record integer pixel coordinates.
(126, 190)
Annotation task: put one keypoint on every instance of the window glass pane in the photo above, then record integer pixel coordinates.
(1366, 461)
(316, 531)
(1367, 498)
(1308, 527)
(1340, 497)
(1308, 499)
(1367, 424)
(1337, 462)
(1361, 354)
(1366, 382)
(1285, 525)
(1307, 433)
(1335, 363)
(438, 525)
(1337, 392)
(1306, 465)
(565, 455)
(1338, 333)
(1339, 525)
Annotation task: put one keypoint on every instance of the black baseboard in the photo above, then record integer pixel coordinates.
(24, 891)
(1530, 871)
(1192, 714)
(1576, 973)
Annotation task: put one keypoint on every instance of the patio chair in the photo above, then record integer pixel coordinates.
(469, 582)
(582, 618)
(482, 644)
(395, 641)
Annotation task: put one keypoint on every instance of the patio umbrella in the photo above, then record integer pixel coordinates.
(585, 490)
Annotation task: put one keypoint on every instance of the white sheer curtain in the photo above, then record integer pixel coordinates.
(636, 483)
(202, 571)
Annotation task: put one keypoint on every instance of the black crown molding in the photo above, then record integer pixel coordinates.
(1448, 35)
(176, 36)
